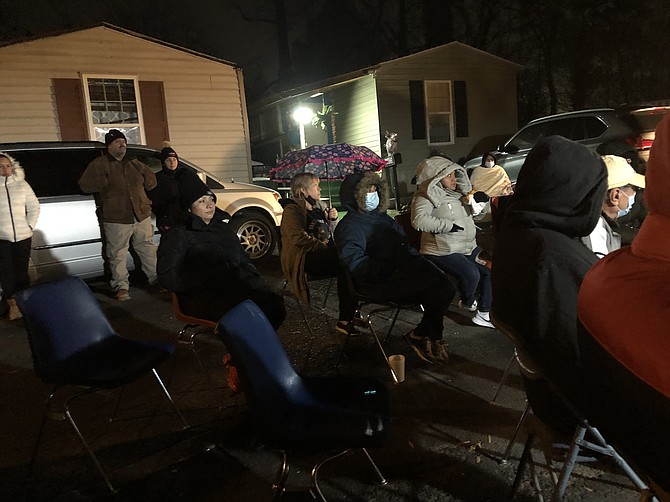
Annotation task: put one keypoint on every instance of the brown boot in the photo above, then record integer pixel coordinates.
(14, 312)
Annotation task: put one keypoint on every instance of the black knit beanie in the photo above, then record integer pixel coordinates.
(113, 135)
(191, 188)
(168, 152)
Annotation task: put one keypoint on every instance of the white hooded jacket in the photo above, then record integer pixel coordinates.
(435, 209)
(19, 207)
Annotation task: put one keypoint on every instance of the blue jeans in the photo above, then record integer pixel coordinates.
(470, 274)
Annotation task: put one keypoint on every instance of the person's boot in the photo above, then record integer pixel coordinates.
(14, 312)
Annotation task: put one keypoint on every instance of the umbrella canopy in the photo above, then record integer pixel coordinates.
(328, 162)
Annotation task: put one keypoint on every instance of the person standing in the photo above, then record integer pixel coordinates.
(124, 210)
(19, 210)
(165, 197)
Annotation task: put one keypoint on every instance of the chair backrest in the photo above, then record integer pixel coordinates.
(268, 377)
(187, 318)
(413, 235)
(61, 318)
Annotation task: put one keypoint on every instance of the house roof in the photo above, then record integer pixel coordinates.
(123, 31)
(356, 74)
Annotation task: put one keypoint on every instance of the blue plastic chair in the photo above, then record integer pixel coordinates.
(72, 343)
(292, 412)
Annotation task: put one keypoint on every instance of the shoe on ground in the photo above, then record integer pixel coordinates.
(469, 308)
(421, 345)
(122, 295)
(347, 328)
(482, 319)
(155, 287)
(440, 354)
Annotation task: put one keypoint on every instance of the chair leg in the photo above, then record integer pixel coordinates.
(503, 379)
(40, 432)
(84, 442)
(279, 485)
(526, 456)
(315, 470)
(395, 318)
(169, 397)
(569, 463)
(510, 445)
(325, 298)
(381, 348)
(191, 342)
(382, 479)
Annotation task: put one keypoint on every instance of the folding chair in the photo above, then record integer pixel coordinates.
(193, 327)
(73, 344)
(363, 301)
(292, 412)
(598, 444)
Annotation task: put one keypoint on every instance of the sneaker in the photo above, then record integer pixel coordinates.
(469, 308)
(122, 295)
(347, 328)
(421, 345)
(440, 354)
(482, 319)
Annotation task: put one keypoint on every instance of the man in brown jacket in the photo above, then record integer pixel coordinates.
(124, 209)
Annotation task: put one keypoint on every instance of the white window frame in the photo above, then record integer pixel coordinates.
(89, 113)
(449, 113)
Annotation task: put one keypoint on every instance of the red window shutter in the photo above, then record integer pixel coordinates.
(70, 106)
(154, 113)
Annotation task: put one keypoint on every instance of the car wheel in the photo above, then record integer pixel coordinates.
(255, 233)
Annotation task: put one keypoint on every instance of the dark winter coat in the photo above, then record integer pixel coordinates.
(371, 245)
(540, 260)
(122, 186)
(207, 267)
(165, 197)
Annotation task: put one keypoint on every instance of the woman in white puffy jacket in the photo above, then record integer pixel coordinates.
(19, 209)
(448, 232)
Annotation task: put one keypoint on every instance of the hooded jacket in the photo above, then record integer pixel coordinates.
(165, 197)
(371, 245)
(625, 312)
(638, 277)
(19, 207)
(436, 209)
(540, 260)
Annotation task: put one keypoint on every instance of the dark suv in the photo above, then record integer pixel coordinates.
(66, 240)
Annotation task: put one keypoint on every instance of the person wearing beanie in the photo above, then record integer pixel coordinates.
(165, 197)
(622, 182)
(19, 210)
(204, 263)
(124, 210)
(624, 313)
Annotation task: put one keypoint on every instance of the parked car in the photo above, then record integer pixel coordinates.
(643, 118)
(589, 127)
(67, 241)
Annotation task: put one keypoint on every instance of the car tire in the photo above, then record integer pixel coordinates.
(256, 234)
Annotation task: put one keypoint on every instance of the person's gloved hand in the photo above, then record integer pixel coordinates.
(455, 228)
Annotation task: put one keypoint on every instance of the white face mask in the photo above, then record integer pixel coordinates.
(631, 201)
(489, 164)
(371, 201)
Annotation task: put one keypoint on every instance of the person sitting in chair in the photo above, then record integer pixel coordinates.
(376, 253)
(307, 246)
(205, 264)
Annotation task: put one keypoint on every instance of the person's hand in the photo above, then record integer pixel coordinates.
(456, 228)
(331, 213)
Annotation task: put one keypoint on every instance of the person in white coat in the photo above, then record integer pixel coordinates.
(19, 210)
(442, 210)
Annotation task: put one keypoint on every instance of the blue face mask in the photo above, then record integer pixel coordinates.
(631, 201)
(371, 201)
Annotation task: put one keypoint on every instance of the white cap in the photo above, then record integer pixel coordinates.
(620, 173)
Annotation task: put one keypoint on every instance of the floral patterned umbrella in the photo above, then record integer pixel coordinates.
(328, 162)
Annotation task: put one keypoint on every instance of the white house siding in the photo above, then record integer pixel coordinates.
(203, 97)
(491, 99)
(357, 121)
